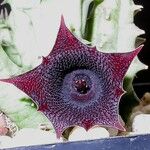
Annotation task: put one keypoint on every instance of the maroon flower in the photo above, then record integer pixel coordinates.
(76, 84)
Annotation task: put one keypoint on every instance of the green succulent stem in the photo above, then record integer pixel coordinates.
(88, 32)
(109, 26)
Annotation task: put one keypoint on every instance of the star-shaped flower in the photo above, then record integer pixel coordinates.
(76, 84)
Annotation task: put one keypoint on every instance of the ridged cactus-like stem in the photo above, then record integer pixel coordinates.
(113, 30)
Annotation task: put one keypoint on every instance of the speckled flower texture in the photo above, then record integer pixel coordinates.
(77, 84)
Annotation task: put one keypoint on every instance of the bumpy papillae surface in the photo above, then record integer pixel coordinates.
(76, 84)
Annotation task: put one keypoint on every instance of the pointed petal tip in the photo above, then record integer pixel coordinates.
(59, 129)
(119, 126)
(62, 22)
(138, 49)
(58, 133)
(135, 52)
(5, 80)
(9, 80)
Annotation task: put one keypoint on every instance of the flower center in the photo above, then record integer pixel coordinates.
(81, 86)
